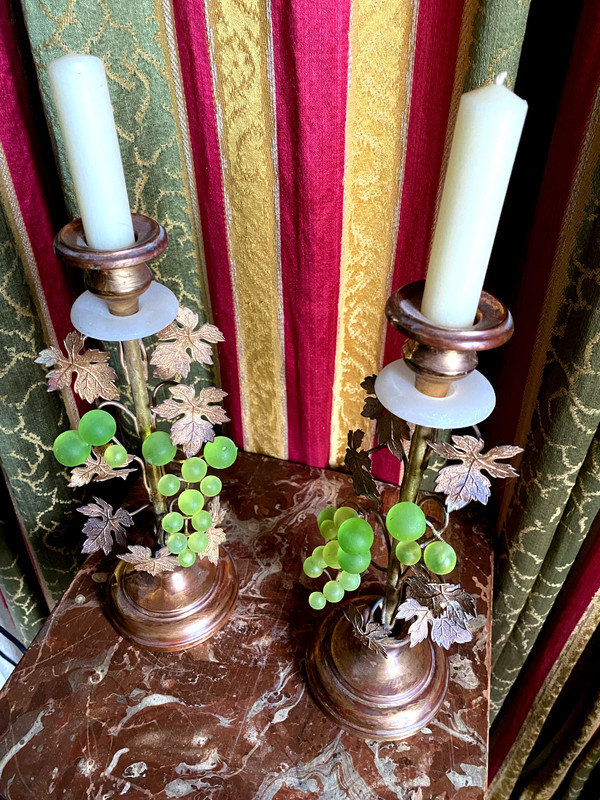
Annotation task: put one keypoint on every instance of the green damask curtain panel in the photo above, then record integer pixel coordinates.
(176, 77)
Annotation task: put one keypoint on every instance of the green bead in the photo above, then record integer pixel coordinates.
(328, 529)
(330, 553)
(202, 521)
(115, 455)
(211, 486)
(220, 453)
(353, 563)
(333, 591)
(348, 581)
(97, 427)
(317, 600)
(186, 558)
(177, 542)
(317, 556)
(342, 514)
(198, 542)
(311, 569)
(70, 450)
(169, 485)
(172, 522)
(355, 535)
(406, 521)
(158, 449)
(440, 558)
(193, 469)
(408, 553)
(190, 501)
(326, 514)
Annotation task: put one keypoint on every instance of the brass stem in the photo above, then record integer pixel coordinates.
(409, 489)
(137, 379)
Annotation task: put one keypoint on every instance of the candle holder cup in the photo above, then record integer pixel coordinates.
(371, 670)
(152, 599)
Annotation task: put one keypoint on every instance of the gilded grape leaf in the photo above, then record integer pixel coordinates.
(389, 429)
(94, 376)
(420, 627)
(96, 469)
(448, 608)
(182, 344)
(359, 464)
(104, 523)
(143, 561)
(465, 481)
(216, 535)
(368, 632)
(197, 415)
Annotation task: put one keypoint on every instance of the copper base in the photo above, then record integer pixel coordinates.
(371, 696)
(174, 610)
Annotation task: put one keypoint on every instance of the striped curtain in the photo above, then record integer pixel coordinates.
(295, 152)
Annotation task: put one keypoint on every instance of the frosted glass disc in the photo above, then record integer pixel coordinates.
(468, 402)
(158, 308)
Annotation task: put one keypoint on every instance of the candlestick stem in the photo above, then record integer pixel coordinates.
(141, 403)
(409, 489)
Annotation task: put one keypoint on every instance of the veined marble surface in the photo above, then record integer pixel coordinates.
(88, 716)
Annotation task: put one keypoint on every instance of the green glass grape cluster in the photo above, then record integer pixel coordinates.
(348, 549)
(406, 523)
(96, 428)
(219, 454)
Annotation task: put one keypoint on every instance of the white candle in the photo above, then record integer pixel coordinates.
(78, 86)
(488, 128)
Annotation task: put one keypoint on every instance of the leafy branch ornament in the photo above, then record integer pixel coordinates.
(419, 558)
(94, 452)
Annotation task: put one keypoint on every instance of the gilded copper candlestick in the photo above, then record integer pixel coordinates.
(361, 669)
(178, 608)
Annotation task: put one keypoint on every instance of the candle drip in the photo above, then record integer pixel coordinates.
(500, 79)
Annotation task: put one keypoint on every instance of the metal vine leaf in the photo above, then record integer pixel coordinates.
(143, 561)
(181, 344)
(359, 464)
(197, 415)
(94, 376)
(96, 469)
(103, 525)
(216, 535)
(465, 481)
(368, 633)
(390, 429)
(444, 606)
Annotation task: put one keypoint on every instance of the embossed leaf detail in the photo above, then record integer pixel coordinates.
(96, 469)
(420, 627)
(94, 376)
(449, 609)
(390, 429)
(104, 523)
(368, 632)
(182, 344)
(465, 481)
(216, 535)
(197, 415)
(143, 561)
(359, 464)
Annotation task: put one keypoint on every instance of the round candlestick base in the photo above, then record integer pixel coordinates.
(173, 610)
(367, 694)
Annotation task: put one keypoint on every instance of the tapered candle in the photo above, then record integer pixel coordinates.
(80, 93)
(488, 128)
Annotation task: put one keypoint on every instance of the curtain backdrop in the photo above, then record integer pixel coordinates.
(295, 153)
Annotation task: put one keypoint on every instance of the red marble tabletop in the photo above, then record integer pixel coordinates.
(88, 715)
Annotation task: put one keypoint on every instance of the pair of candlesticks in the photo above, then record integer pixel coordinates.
(386, 691)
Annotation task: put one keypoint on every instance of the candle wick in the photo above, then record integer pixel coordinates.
(500, 79)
